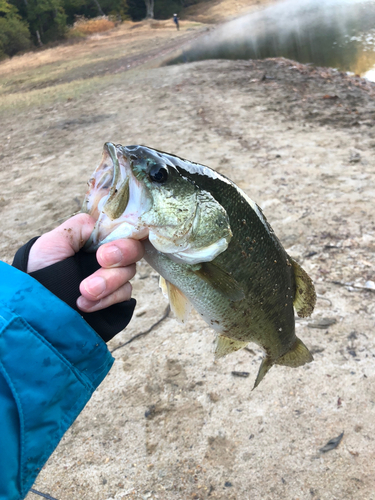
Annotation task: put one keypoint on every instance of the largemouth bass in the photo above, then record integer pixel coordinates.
(211, 245)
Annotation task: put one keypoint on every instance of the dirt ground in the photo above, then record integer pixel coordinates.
(169, 422)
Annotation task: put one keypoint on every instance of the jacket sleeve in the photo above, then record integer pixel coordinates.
(51, 361)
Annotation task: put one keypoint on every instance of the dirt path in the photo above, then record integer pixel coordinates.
(169, 422)
(120, 50)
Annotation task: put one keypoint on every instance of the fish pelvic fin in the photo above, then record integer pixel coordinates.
(180, 306)
(163, 286)
(263, 369)
(297, 355)
(226, 345)
(305, 296)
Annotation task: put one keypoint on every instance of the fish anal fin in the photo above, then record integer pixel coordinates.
(305, 296)
(221, 281)
(298, 355)
(226, 345)
(180, 306)
(263, 369)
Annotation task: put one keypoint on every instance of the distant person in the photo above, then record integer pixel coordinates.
(175, 20)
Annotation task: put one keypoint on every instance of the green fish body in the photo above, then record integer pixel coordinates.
(211, 245)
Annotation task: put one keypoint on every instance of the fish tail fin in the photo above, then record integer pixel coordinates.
(297, 355)
(263, 369)
(305, 296)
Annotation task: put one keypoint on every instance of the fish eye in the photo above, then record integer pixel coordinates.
(158, 173)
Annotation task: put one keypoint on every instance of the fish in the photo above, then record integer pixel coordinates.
(211, 245)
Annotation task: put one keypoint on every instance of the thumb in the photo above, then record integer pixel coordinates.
(60, 243)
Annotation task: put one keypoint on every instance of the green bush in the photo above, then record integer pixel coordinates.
(14, 36)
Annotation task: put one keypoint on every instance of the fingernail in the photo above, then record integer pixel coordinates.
(95, 286)
(85, 304)
(111, 255)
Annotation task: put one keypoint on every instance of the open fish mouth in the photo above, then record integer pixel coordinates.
(115, 198)
(103, 182)
(139, 193)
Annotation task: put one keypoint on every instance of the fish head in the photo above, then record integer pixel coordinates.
(138, 192)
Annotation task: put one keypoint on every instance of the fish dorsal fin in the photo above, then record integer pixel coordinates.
(221, 281)
(298, 355)
(226, 345)
(263, 369)
(180, 306)
(305, 296)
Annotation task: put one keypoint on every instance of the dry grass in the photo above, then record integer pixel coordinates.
(41, 78)
(84, 27)
(216, 11)
(41, 98)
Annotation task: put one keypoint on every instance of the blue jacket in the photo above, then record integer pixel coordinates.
(51, 361)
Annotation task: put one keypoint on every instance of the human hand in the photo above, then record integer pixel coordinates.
(108, 285)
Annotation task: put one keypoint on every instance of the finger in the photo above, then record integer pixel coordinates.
(120, 253)
(104, 282)
(60, 243)
(121, 294)
(76, 230)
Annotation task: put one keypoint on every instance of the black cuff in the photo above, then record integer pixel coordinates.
(22, 255)
(63, 280)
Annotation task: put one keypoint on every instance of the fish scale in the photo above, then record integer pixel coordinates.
(264, 270)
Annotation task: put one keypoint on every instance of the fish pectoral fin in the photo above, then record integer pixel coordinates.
(305, 296)
(298, 355)
(180, 306)
(263, 369)
(221, 281)
(226, 345)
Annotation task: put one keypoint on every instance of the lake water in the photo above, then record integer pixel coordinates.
(334, 33)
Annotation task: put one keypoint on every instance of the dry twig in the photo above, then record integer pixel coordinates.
(165, 315)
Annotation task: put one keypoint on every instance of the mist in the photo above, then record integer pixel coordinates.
(335, 33)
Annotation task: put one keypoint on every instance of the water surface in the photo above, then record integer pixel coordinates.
(334, 33)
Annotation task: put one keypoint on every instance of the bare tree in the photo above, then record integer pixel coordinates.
(149, 9)
(98, 6)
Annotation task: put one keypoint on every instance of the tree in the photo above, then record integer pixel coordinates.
(164, 9)
(14, 33)
(137, 9)
(149, 9)
(92, 8)
(46, 18)
(98, 6)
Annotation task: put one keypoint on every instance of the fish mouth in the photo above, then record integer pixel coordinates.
(102, 184)
(115, 199)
